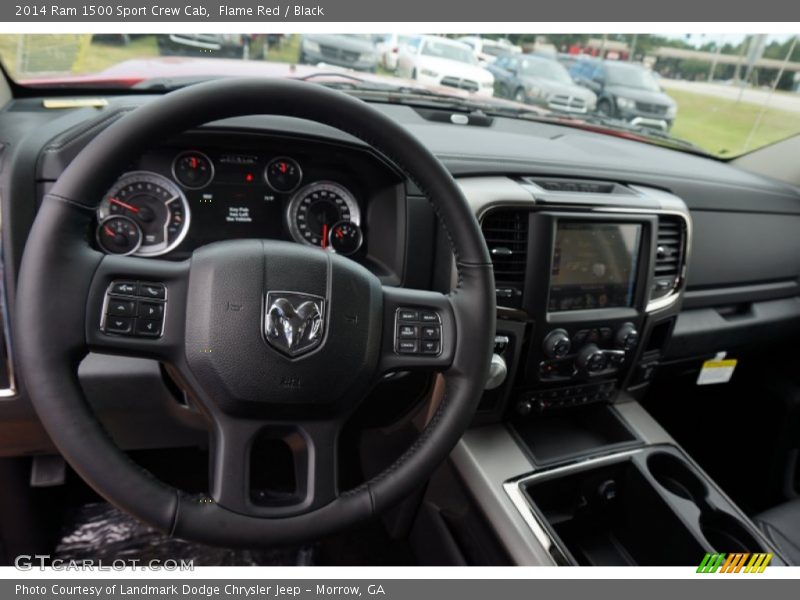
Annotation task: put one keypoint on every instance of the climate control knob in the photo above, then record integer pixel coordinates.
(591, 359)
(556, 344)
(627, 337)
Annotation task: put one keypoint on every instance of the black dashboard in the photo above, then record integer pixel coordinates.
(558, 195)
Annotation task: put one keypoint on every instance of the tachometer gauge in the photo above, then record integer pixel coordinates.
(119, 235)
(193, 169)
(316, 208)
(156, 204)
(345, 238)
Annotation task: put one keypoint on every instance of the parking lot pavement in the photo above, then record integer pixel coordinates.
(780, 100)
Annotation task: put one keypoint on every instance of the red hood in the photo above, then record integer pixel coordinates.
(132, 72)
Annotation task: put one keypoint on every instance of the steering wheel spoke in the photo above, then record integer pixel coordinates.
(136, 307)
(272, 469)
(419, 330)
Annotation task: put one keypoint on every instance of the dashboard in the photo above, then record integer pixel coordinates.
(613, 256)
(203, 189)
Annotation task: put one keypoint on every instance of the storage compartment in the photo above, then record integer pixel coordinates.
(611, 516)
(572, 433)
(646, 507)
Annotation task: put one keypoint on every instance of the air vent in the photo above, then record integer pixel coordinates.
(506, 234)
(576, 186)
(670, 246)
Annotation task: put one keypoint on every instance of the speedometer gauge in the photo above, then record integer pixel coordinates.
(155, 204)
(316, 208)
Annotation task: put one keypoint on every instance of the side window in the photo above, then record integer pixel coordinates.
(503, 62)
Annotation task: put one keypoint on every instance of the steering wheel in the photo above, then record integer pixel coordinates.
(271, 340)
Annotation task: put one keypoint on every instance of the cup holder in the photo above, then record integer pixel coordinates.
(673, 474)
(726, 534)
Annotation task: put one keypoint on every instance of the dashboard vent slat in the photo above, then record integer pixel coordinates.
(506, 234)
(670, 252)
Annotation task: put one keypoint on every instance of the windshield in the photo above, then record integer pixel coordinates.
(631, 77)
(546, 69)
(459, 53)
(726, 94)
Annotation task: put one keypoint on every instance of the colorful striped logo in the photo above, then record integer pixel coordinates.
(735, 563)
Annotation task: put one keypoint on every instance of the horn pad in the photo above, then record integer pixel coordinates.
(280, 325)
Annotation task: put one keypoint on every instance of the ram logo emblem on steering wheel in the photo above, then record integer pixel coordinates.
(294, 322)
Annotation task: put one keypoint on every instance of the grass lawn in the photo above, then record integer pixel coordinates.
(722, 126)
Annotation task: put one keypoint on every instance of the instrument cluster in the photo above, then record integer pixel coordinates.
(204, 197)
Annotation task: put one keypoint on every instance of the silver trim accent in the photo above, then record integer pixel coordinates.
(11, 390)
(478, 191)
(190, 187)
(286, 345)
(538, 527)
(288, 159)
(541, 530)
(294, 205)
(170, 186)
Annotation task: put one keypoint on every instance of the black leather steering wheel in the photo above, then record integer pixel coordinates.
(221, 317)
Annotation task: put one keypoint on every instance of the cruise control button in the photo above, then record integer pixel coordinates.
(152, 290)
(427, 316)
(121, 308)
(407, 331)
(126, 288)
(430, 347)
(406, 314)
(148, 327)
(119, 325)
(431, 332)
(407, 346)
(151, 310)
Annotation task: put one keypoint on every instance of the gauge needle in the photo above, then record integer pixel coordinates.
(131, 208)
(109, 231)
(324, 235)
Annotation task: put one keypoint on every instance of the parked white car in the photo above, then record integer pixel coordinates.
(487, 50)
(388, 46)
(437, 61)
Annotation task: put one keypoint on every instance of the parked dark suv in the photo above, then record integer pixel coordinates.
(626, 91)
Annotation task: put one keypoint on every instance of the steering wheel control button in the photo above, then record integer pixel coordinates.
(408, 346)
(408, 331)
(415, 335)
(427, 316)
(405, 314)
(121, 308)
(134, 308)
(121, 325)
(148, 327)
(124, 288)
(430, 347)
(152, 290)
(431, 332)
(151, 310)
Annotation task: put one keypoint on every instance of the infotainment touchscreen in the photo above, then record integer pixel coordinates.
(594, 265)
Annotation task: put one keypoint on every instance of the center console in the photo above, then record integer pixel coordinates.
(589, 279)
(566, 465)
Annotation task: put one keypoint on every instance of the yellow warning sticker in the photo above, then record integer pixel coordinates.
(716, 371)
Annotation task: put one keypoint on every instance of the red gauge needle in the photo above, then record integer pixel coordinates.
(131, 208)
(109, 231)
(324, 235)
